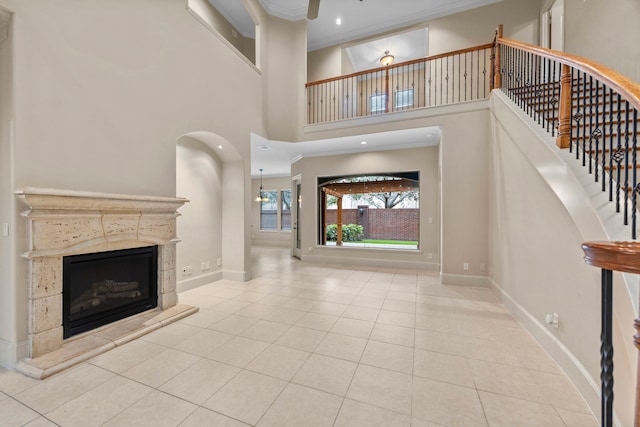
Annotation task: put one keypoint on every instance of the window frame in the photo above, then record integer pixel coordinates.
(383, 102)
(262, 203)
(404, 93)
(282, 210)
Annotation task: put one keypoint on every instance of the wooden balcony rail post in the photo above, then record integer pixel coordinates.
(612, 256)
(563, 140)
(339, 222)
(323, 207)
(497, 76)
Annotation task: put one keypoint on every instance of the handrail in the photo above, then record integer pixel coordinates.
(591, 109)
(623, 257)
(401, 64)
(622, 84)
(448, 78)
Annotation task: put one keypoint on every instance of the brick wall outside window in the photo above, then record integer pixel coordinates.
(388, 224)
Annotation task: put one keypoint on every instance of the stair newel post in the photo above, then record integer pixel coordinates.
(563, 140)
(610, 257)
(497, 75)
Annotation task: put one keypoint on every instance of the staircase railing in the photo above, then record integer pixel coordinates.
(610, 257)
(591, 109)
(459, 76)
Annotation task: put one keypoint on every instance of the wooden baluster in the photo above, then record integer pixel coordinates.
(339, 222)
(497, 76)
(564, 111)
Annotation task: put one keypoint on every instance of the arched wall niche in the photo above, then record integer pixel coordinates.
(210, 172)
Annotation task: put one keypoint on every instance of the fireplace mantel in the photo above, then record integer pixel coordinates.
(64, 222)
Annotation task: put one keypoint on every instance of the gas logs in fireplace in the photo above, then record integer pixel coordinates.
(103, 287)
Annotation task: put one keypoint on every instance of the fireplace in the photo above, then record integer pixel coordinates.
(76, 228)
(100, 288)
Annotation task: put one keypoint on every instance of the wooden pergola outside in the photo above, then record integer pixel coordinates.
(339, 190)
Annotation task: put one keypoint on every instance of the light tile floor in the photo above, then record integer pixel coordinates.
(314, 345)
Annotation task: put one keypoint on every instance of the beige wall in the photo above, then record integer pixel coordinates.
(204, 10)
(285, 72)
(199, 179)
(459, 31)
(8, 211)
(100, 107)
(473, 27)
(606, 32)
(464, 174)
(424, 160)
(540, 214)
(325, 63)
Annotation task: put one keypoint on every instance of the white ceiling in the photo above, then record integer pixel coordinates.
(359, 19)
(405, 46)
(275, 157)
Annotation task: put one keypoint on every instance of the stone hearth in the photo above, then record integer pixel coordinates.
(61, 223)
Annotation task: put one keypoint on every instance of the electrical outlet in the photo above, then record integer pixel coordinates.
(556, 320)
(430, 255)
(189, 270)
(203, 266)
(465, 266)
(219, 262)
(483, 267)
(207, 265)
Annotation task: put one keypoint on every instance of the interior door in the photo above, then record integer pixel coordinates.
(296, 247)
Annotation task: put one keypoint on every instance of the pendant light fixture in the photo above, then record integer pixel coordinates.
(261, 197)
(387, 59)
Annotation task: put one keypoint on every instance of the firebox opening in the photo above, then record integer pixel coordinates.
(100, 288)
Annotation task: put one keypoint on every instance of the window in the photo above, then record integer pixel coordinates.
(269, 211)
(378, 103)
(285, 210)
(370, 211)
(404, 98)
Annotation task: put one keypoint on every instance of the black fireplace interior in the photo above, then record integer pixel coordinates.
(103, 287)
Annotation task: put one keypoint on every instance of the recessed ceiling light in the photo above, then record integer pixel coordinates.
(338, 21)
(265, 147)
(363, 143)
(220, 147)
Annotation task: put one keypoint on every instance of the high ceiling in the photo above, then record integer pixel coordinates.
(359, 19)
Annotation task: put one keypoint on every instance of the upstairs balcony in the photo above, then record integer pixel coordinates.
(449, 78)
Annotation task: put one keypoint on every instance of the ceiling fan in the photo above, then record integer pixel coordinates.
(312, 10)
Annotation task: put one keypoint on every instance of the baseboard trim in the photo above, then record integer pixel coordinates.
(272, 243)
(577, 373)
(10, 353)
(412, 265)
(464, 280)
(196, 282)
(237, 276)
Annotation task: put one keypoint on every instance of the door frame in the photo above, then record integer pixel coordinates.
(296, 235)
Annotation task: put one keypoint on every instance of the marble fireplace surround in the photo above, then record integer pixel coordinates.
(61, 223)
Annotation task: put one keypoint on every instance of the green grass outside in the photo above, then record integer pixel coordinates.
(389, 242)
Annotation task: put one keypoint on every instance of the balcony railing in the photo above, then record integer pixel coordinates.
(449, 78)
